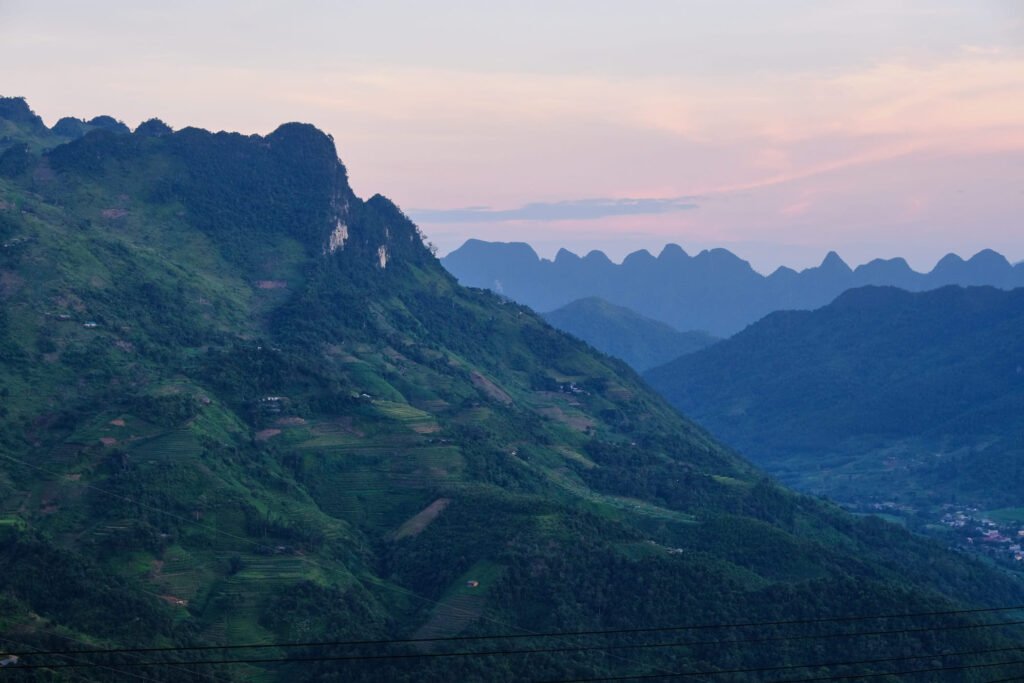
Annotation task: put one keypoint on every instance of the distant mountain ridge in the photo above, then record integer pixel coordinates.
(620, 332)
(714, 290)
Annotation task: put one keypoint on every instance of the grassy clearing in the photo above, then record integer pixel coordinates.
(1010, 515)
(616, 506)
(119, 426)
(731, 481)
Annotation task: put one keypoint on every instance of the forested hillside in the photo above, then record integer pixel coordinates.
(242, 406)
(882, 396)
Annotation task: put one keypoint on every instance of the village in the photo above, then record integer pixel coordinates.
(967, 528)
(980, 533)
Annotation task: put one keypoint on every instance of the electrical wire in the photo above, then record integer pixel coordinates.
(719, 672)
(39, 652)
(581, 648)
(72, 658)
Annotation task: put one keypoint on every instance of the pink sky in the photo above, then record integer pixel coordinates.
(781, 130)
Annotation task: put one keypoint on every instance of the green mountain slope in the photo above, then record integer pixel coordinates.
(883, 395)
(242, 405)
(640, 341)
(20, 126)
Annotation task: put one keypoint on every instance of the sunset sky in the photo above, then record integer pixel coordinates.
(779, 129)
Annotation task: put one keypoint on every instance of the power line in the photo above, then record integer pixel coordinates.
(478, 653)
(69, 657)
(719, 672)
(66, 653)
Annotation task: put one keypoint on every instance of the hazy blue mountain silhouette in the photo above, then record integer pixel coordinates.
(621, 332)
(714, 290)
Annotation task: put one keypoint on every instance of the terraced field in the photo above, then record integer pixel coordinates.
(234, 608)
(176, 444)
(64, 455)
(378, 481)
(464, 602)
(180, 574)
(415, 419)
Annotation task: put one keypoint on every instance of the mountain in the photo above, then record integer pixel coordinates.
(883, 395)
(244, 406)
(640, 341)
(714, 290)
(19, 125)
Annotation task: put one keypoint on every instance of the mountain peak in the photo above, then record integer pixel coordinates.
(990, 259)
(70, 127)
(153, 128)
(724, 261)
(640, 257)
(783, 271)
(302, 140)
(673, 252)
(16, 110)
(565, 256)
(889, 271)
(834, 262)
(104, 122)
(950, 260)
(517, 251)
(723, 253)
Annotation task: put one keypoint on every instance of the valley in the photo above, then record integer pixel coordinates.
(906, 404)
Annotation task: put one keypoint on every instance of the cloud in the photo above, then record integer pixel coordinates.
(571, 209)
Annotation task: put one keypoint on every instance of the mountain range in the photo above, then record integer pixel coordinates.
(244, 406)
(714, 291)
(883, 395)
